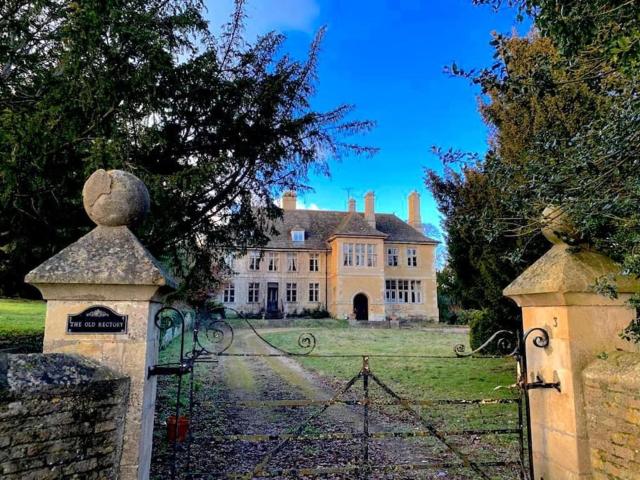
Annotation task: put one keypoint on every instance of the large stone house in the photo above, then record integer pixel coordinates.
(365, 266)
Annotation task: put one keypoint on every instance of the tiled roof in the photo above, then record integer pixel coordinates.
(353, 223)
(400, 231)
(320, 225)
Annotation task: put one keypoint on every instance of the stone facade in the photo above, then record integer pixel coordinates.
(612, 404)
(353, 264)
(424, 272)
(244, 275)
(60, 417)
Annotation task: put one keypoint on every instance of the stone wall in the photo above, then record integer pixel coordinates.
(612, 403)
(60, 417)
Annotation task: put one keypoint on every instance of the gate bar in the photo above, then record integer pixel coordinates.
(315, 403)
(257, 437)
(365, 427)
(301, 472)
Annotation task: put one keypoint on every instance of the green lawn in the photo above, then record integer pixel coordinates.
(23, 316)
(418, 378)
(423, 378)
(168, 385)
(448, 378)
(21, 325)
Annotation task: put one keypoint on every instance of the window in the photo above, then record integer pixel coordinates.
(273, 262)
(230, 261)
(254, 292)
(292, 292)
(314, 262)
(359, 255)
(229, 294)
(347, 254)
(292, 262)
(412, 257)
(372, 256)
(254, 261)
(392, 257)
(314, 292)
(390, 291)
(403, 291)
(415, 291)
(297, 235)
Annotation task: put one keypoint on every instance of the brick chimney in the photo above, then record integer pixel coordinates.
(289, 200)
(352, 205)
(414, 211)
(369, 211)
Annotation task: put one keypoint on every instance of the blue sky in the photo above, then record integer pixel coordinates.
(387, 58)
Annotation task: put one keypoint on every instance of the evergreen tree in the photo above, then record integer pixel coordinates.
(563, 111)
(215, 126)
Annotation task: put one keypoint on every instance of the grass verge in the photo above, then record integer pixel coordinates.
(21, 325)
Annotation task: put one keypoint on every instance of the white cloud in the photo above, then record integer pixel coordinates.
(266, 15)
(303, 206)
(300, 204)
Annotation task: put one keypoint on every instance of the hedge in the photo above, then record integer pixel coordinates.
(21, 342)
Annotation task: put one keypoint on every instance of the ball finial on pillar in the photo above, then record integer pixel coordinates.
(115, 198)
(110, 270)
(556, 226)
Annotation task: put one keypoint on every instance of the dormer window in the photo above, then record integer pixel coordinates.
(297, 235)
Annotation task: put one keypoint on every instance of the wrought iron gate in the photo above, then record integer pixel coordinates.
(212, 340)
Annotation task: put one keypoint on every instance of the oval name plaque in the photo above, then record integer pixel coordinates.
(97, 319)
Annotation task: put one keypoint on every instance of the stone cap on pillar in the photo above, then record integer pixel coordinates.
(566, 275)
(110, 254)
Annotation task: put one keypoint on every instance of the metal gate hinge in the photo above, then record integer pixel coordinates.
(539, 383)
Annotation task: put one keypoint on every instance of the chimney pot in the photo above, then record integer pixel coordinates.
(414, 211)
(369, 210)
(352, 205)
(289, 200)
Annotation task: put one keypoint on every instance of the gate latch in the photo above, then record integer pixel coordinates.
(180, 370)
(539, 383)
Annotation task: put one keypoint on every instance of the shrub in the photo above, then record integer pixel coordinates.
(316, 313)
(319, 313)
(451, 317)
(21, 342)
(447, 307)
(481, 326)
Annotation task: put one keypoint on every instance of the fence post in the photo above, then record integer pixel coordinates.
(557, 294)
(102, 294)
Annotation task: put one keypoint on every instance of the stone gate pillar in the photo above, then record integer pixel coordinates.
(102, 294)
(556, 293)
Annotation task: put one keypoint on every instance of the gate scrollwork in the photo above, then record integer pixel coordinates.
(507, 344)
(214, 335)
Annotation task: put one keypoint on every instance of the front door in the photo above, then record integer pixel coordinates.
(361, 306)
(272, 297)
